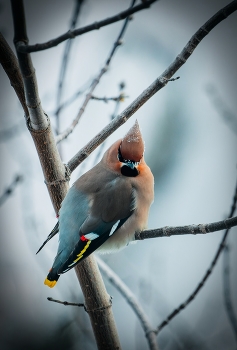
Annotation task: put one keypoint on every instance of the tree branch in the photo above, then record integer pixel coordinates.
(66, 303)
(158, 84)
(57, 181)
(37, 119)
(37, 122)
(72, 34)
(98, 304)
(132, 301)
(168, 231)
(119, 98)
(10, 65)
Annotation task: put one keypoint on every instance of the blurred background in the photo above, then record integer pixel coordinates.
(190, 132)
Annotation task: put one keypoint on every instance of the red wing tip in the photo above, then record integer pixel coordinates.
(84, 239)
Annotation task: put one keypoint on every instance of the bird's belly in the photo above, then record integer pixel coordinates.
(122, 237)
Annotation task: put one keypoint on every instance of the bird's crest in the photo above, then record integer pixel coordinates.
(132, 145)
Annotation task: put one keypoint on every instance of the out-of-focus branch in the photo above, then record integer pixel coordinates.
(222, 109)
(64, 65)
(70, 129)
(71, 99)
(115, 112)
(227, 292)
(132, 301)
(97, 25)
(168, 231)
(158, 84)
(95, 82)
(10, 65)
(12, 131)
(9, 190)
(67, 49)
(207, 274)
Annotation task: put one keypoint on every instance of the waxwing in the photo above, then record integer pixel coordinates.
(105, 206)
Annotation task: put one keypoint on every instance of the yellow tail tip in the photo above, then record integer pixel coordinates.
(49, 283)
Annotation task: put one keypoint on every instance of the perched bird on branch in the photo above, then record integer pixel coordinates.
(105, 206)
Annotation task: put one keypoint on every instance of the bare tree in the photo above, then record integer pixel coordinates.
(23, 79)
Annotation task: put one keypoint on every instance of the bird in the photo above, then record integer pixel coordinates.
(105, 207)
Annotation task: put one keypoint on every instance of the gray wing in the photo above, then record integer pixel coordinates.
(95, 212)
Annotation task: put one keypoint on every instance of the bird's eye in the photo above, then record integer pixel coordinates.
(120, 157)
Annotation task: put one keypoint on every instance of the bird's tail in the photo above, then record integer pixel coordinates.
(52, 278)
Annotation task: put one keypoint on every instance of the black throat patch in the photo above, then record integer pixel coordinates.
(128, 171)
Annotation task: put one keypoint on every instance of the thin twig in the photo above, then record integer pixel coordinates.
(173, 79)
(70, 129)
(132, 301)
(115, 112)
(64, 63)
(9, 190)
(207, 274)
(118, 42)
(95, 82)
(158, 84)
(227, 293)
(168, 231)
(119, 98)
(71, 99)
(66, 303)
(97, 25)
(102, 146)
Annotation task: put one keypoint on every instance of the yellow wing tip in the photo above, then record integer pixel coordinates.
(49, 283)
